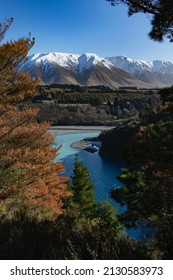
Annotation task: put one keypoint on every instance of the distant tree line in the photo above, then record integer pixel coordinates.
(93, 108)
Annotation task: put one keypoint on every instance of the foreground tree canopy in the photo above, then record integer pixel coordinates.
(161, 11)
(28, 177)
(147, 183)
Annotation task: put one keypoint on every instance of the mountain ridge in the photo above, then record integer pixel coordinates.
(91, 69)
(156, 72)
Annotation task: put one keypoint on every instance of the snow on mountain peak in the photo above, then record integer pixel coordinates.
(88, 60)
(58, 67)
(78, 61)
(134, 66)
(130, 65)
(62, 59)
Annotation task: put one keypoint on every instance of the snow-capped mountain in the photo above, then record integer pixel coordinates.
(91, 69)
(130, 65)
(84, 69)
(79, 62)
(158, 72)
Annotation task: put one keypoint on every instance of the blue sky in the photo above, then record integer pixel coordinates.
(80, 26)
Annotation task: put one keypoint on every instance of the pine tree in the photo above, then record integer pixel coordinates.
(28, 177)
(83, 199)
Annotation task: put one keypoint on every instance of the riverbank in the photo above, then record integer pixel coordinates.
(65, 130)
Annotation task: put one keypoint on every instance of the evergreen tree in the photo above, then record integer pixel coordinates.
(83, 199)
(28, 177)
(147, 184)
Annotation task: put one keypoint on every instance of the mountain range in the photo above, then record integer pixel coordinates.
(90, 69)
